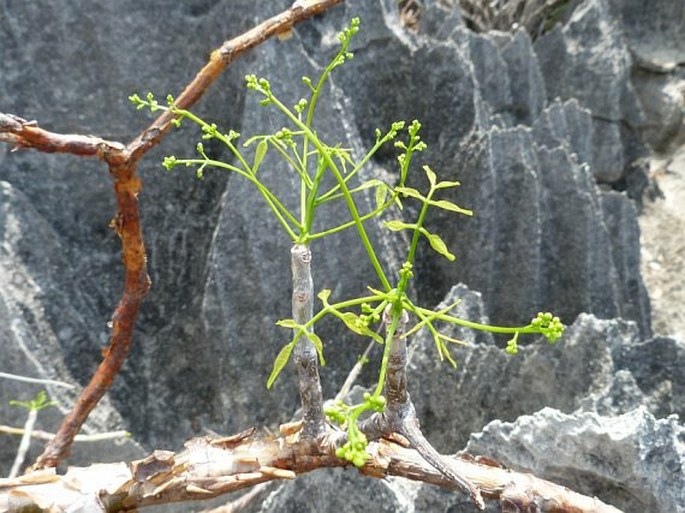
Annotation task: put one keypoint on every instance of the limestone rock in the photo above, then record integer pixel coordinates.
(634, 462)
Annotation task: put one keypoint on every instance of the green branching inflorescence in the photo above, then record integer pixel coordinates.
(311, 158)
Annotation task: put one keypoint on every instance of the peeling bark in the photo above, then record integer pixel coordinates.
(212, 467)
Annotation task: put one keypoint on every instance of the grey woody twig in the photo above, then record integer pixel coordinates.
(400, 416)
(305, 355)
(44, 435)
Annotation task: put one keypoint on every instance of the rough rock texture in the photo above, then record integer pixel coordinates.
(529, 128)
(633, 461)
(653, 31)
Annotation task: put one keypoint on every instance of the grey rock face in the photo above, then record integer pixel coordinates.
(30, 295)
(634, 462)
(537, 207)
(653, 31)
(590, 50)
(544, 236)
(336, 490)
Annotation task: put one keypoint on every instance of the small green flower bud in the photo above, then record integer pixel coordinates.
(359, 460)
(169, 162)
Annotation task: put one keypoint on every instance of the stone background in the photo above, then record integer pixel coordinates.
(551, 138)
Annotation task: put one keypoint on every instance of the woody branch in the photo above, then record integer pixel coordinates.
(212, 467)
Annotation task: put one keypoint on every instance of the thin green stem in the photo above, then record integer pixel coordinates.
(279, 210)
(386, 351)
(327, 195)
(300, 170)
(473, 325)
(417, 229)
(348, 197)
(310, 208)
(349, 224)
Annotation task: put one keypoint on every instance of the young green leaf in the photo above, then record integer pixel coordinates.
(324, 295)
(409, 191)
(318, 345)
(280, 362)
(448, 205)
(446, 184)
(287, 323)
(381, 194)
(431, 175)
(438, 244)
(259, 154)
(354, 323)
(396, 225)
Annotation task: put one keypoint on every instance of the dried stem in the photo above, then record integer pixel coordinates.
(44, 435)
(354, 373)
(39, 381)
(122, 161)
(305, 356)
(25, 442)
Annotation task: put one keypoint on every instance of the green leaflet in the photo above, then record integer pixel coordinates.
(324, 295)
(381, 194)
(287, 323)
(259, 154)
(448, 205)
(446, 184)
(354, 323)
(280, 362)
(431, 176)
(396, 225)
(438, 245)
(318, 345)
(410, 192)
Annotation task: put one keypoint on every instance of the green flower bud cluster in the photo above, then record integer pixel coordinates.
(301, 105)
(337, 411)
(549, 325)
(210, 131)
(376, 403)
(354, 451)
(392, 133)
(261, 85)
(170, 162)
(348, 32)
(406, 272)
(369, 315)
(149, 102)
(284, 134)
(512, 345)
